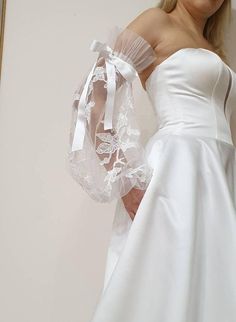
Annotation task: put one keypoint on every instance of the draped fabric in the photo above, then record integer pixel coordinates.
(106, 156)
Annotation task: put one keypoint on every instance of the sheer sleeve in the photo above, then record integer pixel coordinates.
(105, 154)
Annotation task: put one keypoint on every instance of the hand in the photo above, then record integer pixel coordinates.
(132, 200)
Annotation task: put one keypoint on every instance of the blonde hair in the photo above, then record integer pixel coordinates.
(215, 27)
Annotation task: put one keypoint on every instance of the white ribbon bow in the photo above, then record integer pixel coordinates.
(113, 62)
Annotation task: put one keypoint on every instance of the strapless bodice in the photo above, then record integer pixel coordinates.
(193, 91)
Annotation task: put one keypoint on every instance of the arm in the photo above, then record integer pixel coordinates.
(105, 153)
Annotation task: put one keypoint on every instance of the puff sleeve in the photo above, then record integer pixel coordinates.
(105, 156)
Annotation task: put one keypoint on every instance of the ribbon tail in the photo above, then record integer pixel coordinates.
(80, 127)
(111, 88)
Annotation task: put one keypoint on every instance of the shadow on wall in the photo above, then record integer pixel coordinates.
(230, 42)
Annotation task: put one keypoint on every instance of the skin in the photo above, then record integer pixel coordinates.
(166, 33)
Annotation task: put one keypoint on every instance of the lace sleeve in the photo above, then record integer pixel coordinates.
(105, 154)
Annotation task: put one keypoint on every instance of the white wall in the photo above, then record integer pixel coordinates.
(53, 238)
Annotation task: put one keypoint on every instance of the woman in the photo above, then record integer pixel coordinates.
(172, 252)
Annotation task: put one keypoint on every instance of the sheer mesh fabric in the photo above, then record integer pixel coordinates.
(105, 154)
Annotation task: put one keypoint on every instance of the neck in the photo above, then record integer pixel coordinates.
(193, 20)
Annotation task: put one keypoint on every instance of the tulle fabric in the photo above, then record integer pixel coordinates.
(106, 156)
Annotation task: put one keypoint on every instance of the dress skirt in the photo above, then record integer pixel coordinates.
(176, 261)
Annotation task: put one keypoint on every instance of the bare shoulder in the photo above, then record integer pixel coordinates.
(150, 24)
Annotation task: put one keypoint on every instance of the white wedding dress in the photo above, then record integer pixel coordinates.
(176, 261)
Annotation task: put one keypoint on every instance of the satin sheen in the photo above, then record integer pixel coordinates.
(176, 261)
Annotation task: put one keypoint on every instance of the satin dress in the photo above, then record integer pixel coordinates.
(176, 261)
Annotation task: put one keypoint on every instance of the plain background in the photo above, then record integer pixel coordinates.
(53, 237)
